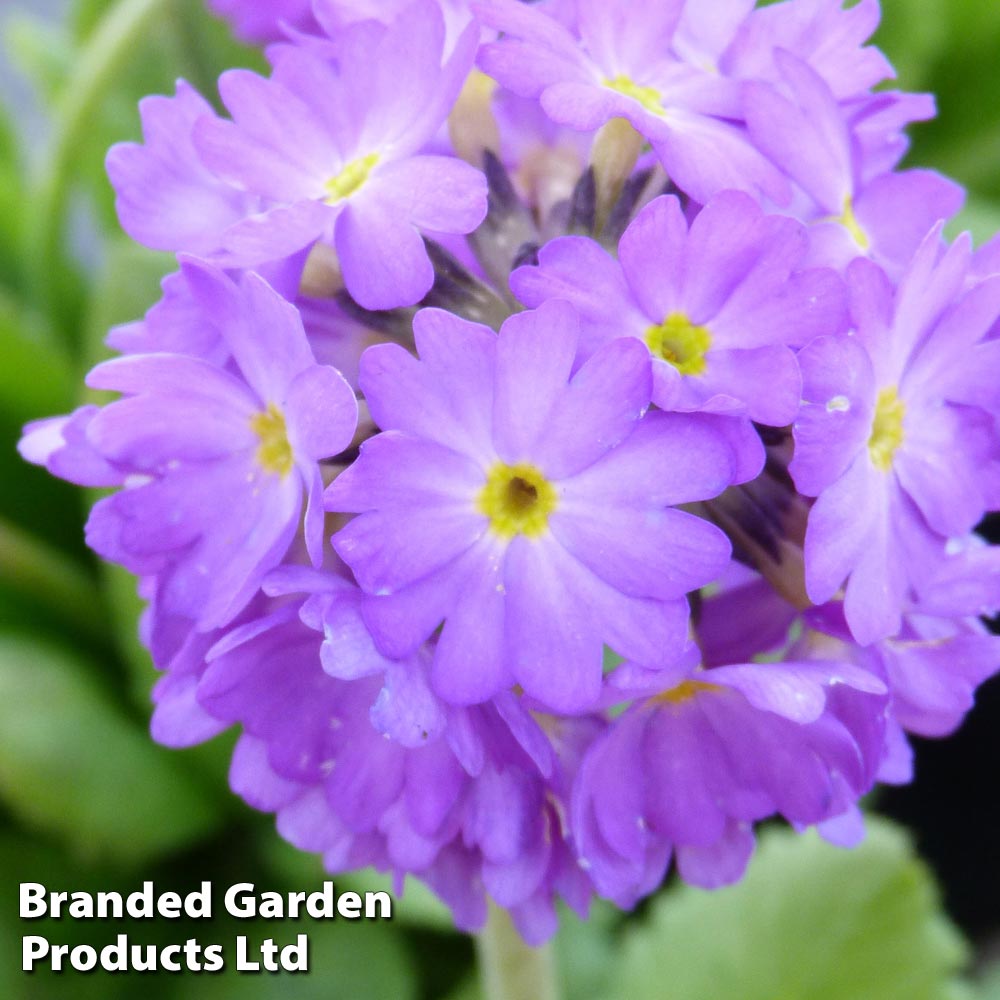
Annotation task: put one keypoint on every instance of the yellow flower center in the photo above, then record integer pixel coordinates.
(685, 691)
(887, 428)
(517, 499)
(849, 221)
(350, 178)
(649, 97)
(680, 343)
(274, 454)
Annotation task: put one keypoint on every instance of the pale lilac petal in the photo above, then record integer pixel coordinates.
(321, 413)
(835, 420)
(388, 551)
(704, 156)
(840, 523)
(582, 272)
(165, 197)
(263, 330)
(605, 400)
(382, 256)
(661, 554)
(534, 358)
(721, 863)
(765, 380)
(898, 209)
(401, 472)
(149, 432)
(423, 398)
(271, 235)
(470, 661)
(723, 245)
(671, 458)
(655, 279)
(877, 586)
(555, 650)
(438, 193)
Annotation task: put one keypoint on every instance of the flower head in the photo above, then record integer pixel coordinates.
(526, 506)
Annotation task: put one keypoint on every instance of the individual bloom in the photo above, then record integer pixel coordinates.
(174, 325)
(803, 130)
(218, 459)
(823, 33)
(709, 757)
(335, 153)
(166, 198)
(613, 60)
(933, 668)
(334, 16)
(942, 653)
(889, 439)
(716, 304)
(61, 445)
(878, 125)
(307, 751)
(254, 21)
(526, 507)
(513, 814)
(470, 810)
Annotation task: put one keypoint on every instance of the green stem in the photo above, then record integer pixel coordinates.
(112, 44)
(36, 569)
(511, 969)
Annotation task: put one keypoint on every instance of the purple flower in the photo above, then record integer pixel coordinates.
(61, 445)
(215, 461)
(805, 132)
(710, 756)
(611, 59)
(527, 507)
(942, 652)
(472, 809)
(166, 197)
(823, 33)
(716, 303)
(335, 153)
(889, 439)
(254, 21)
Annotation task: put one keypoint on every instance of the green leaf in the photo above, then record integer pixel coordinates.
(74, 766)
(808, 922)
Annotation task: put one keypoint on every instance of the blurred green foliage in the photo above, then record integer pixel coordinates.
(87, 801)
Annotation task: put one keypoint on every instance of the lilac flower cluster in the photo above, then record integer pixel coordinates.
(561, 445)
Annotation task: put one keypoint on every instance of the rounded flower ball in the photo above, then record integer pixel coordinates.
(561, 444)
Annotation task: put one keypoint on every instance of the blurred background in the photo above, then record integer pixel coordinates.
(88, 802)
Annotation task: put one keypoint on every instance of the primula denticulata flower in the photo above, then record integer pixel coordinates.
(561, 445)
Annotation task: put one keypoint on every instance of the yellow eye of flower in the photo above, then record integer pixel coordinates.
(350, 178)
(518, 500)
(685, 691)
(274, 453)
(887, 428)
(849, 221)
(680, 343)
(649, 97)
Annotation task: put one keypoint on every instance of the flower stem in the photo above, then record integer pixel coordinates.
(511, 969)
